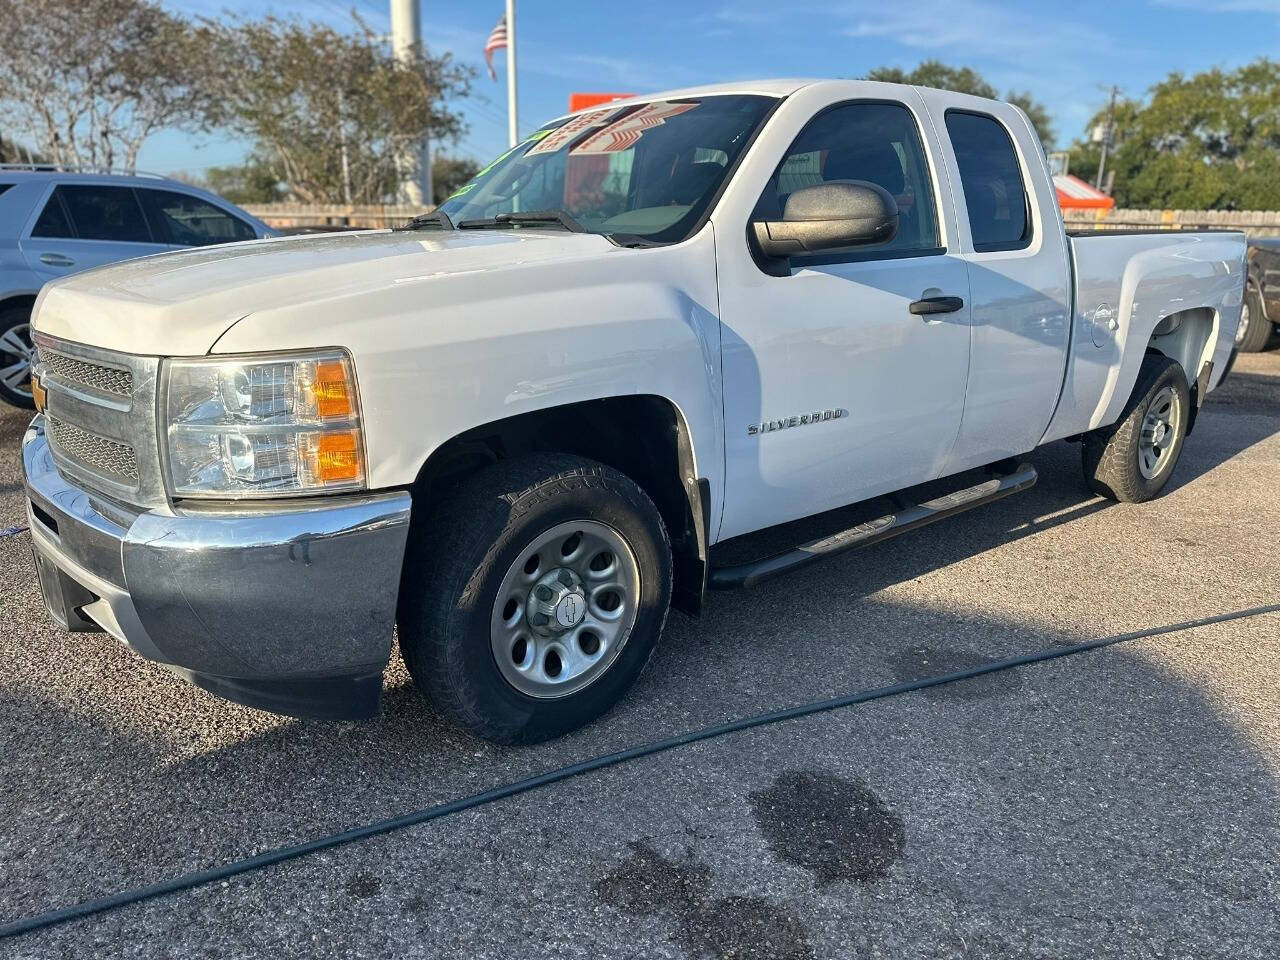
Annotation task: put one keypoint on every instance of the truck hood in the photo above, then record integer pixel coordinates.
(179, 304)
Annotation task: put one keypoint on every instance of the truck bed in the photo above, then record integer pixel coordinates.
(1175, 291)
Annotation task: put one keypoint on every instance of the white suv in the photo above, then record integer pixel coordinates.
(56, 220)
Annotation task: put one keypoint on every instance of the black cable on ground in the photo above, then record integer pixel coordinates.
(200, 878)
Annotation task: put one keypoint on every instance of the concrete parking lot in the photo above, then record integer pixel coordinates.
(1118, 803)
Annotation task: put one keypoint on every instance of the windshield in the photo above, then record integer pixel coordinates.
(646, 171)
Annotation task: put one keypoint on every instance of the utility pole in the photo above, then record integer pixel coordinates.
(513, 121)
(1106, 137)
(414, 162)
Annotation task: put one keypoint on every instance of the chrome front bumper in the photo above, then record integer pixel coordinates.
(287, 607)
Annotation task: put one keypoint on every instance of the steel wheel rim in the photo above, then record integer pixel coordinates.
(1242, 328)
(15, 359)
(1159, 433)
(546, 644)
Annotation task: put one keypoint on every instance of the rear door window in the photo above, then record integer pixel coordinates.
(992, 182)
(95, 213)
(192, 222)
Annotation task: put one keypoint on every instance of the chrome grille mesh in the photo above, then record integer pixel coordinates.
(95, 376)
(95, 452)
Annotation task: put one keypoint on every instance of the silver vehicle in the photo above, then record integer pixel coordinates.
(59, 220)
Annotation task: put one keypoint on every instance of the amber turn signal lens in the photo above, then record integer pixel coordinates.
(332, 391)
(335, 457)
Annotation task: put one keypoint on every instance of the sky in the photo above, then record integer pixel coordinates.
(1067, 54)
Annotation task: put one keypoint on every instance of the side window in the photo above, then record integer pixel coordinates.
(192, 222)
(105, 213)
(876, 142)
(992, 181)
(53, 220)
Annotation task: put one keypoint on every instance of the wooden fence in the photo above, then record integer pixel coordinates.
(1256, 223)
(336, 215)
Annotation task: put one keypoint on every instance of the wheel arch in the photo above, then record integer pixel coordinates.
(1189, 337)
(645, 436)
(12, 301)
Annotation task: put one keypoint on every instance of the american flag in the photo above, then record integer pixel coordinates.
(497, 41)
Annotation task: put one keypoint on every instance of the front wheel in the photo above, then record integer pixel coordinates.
(15, 357)
(1132, 460)
(534, 596)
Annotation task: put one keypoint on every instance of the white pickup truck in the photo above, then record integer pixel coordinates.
(517, 429)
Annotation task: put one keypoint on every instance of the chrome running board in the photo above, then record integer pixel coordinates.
(910, 517)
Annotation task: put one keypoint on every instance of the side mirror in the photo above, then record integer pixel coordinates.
(826, 216)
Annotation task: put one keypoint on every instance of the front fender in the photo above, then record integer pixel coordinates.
(439, 355)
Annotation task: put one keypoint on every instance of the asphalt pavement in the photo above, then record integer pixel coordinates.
(1118, 803)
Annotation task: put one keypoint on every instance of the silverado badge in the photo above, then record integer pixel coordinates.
(800, 420)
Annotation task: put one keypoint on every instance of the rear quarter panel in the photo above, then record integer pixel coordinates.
(1133, 282)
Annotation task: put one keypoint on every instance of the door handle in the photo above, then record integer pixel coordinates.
(56, 260)
(936, 305)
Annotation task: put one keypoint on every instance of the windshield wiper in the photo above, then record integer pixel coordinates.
(434, 218)
(525, 217)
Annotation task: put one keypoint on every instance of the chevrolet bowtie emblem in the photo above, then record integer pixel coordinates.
(38, 394)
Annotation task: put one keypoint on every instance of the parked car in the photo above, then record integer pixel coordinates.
(520, 428)
(1260, 319)
(55, 221)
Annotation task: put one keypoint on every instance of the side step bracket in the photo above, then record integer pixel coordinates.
(910, 517)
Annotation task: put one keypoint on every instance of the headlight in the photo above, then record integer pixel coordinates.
(263, 426)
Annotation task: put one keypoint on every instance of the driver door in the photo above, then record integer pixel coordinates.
(834, 390)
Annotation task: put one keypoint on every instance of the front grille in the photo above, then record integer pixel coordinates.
(95, 452)
(95, 376)
(101, 419)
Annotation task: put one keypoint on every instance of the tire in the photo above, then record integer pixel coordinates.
(463, 557)
(15, 351)
(1254, 330)
(1126, 461)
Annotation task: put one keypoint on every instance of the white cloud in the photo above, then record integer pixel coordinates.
(969, 27)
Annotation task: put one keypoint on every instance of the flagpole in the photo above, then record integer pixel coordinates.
(513, 121)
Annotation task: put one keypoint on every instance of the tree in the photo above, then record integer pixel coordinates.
(332, 111)
(92, 79)
(257, 180)
(449, 173)
(13, 152)
(935, 73)
(1208, 141)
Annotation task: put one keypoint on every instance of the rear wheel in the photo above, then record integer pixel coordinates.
(15, 357)
(534, 596)
(1133, 459)
(1254, 330)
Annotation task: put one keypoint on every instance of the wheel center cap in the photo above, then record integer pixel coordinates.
(570, 611)
(557, 602)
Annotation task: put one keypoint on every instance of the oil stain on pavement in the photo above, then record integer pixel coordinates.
(364, 885)
(744, 928)
(837, 829)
